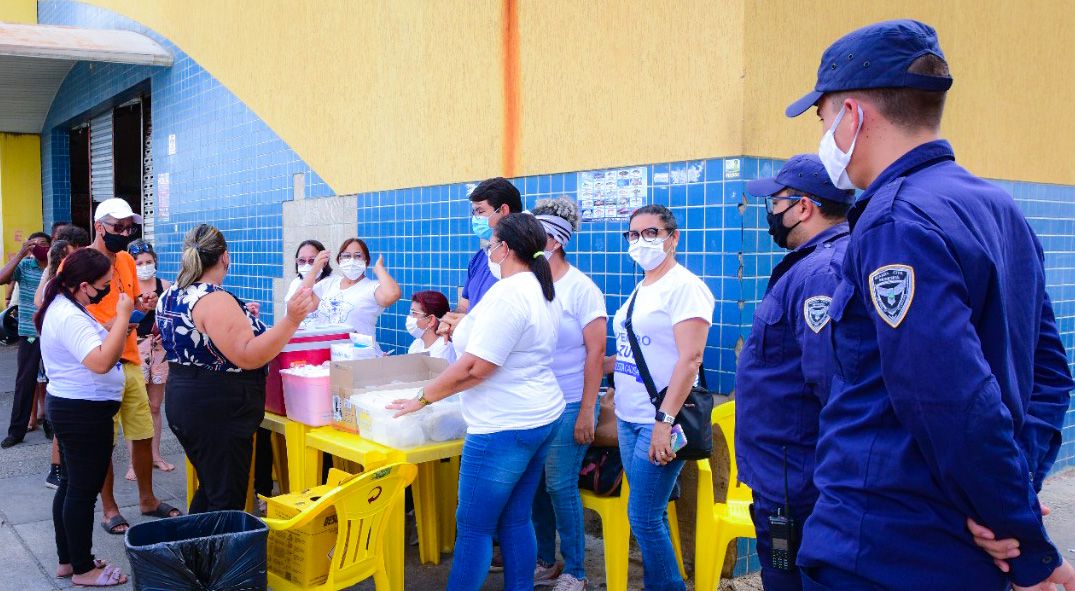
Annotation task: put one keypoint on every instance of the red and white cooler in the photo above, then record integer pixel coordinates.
(308, 347)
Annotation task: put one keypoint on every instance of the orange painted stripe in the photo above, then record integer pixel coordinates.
(512, 90)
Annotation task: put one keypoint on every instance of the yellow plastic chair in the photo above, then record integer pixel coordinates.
(616, 533)
(719, 523)
(363, 504)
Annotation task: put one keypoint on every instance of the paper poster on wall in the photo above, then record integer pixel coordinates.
(612, 194)
(164, 195)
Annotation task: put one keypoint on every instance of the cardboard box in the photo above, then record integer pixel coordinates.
(368, 375)
(303, 555)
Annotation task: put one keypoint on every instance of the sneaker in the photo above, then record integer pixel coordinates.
(10, 441)
(567, 582)
(54, 476)
(545, 574)
(497, 566)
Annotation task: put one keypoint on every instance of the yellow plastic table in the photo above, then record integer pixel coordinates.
(435, 488)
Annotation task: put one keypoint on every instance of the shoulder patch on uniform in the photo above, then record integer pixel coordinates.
(892, 291)
(816, 312)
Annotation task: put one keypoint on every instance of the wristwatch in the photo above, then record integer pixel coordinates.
(663, 417)
(422, 397)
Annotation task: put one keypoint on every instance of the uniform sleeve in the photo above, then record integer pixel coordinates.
(470, 275)
(809, 316)
(1040, 436)
(942, 390)
(494, 335)
(591, 304)
(691, 300)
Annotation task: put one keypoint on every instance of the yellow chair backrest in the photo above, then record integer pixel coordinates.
(362, 503)
(724, 417)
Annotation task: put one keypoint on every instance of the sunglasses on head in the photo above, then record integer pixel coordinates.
(137, 249)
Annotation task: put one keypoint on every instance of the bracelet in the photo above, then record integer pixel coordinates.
(422, 397)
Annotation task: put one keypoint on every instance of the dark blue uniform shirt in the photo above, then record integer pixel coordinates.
(950, 386)
(784, 372)
(479, 278)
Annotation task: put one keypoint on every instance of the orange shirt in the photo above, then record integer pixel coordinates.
(125, 279)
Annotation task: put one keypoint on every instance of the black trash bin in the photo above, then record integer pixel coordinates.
(205, 552)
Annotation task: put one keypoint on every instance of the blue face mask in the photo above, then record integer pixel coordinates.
(480, 225)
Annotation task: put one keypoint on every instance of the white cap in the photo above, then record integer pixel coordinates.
(118, 209)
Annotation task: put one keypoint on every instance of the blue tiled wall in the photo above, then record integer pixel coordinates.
(233, 171)
(229, 169)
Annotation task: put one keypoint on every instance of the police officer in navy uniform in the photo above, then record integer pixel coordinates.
(785, 368)
(950, 380)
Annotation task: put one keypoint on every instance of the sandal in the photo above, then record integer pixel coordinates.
(130, 474)
(109, 577)
(97, 563)
(163, 511)
(163, 465)
(116, 521)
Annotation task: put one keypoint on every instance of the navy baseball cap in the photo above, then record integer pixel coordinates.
(876, 56)
(805, 173)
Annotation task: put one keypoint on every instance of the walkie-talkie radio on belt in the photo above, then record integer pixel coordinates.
(783, 530)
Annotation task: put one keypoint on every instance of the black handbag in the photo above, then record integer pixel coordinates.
(696, 415)
(602, 471)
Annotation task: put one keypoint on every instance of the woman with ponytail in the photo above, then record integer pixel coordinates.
(83, 394)
(217, 350)
(511, 402)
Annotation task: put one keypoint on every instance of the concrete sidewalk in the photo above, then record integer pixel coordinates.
(28, 561)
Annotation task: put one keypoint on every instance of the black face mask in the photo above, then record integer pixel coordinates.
(116, 242)
(778, 230)
(100, 295)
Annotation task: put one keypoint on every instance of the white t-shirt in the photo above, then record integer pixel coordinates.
(679, 295)
(582, 303)
(68, 335)
(441, 349)
(513, 327)
(355, 306)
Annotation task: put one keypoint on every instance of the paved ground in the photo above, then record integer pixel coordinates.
(28, 561)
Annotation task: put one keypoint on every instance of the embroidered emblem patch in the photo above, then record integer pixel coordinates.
(892, 291)
(816, 312)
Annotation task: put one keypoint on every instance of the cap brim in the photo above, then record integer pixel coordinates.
(800, 106)
(764, 187)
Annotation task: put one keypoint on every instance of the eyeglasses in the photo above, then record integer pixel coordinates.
(489, 248)
(124, 230)
(303, 261)
(137, 249)
(650, 235)
(770, 202)
(419, 315)
(351, 257)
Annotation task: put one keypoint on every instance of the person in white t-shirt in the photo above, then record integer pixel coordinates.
(352, 298)
(672, 315)
(577, 363)
(427, 308)
(311, 268)
(83, 394)
(511, 402)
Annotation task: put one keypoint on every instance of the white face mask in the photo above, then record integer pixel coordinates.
(304, 269)
(147, 271)
(835, 159)
(353, 269)
(494, 267)
(648, 255)
(413, 329)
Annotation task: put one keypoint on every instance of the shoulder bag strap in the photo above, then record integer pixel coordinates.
(640, 361)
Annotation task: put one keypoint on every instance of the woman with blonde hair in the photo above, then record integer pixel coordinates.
(217, 350)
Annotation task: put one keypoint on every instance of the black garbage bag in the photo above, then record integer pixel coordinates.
(204, 552)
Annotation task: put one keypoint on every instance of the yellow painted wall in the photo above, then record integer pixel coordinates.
(1009, 113)
(18, 11)
(387, 94)
(20, 189)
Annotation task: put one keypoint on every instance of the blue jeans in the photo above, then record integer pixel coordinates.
(651, 487)
(498, 476)
(557, 505)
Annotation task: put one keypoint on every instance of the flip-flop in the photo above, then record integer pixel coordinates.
(116, 521)
(97, 563)
(131, 475)
(109, 577)
(163, 511)
(163, 466)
